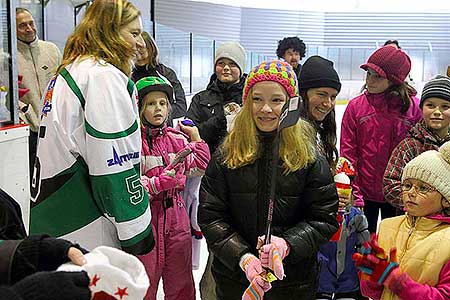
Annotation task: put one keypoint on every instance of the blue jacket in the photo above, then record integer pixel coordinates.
(338, 273)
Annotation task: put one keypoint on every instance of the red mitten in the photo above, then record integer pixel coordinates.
(22, 91)
(374, 262)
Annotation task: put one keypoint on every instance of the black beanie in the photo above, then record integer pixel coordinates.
(438, 87)
(318, 72)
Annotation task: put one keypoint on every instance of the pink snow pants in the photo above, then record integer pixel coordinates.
(171, 258)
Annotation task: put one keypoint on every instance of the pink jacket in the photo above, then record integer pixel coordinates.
(166, 143)
(408, 289)
(371, 128)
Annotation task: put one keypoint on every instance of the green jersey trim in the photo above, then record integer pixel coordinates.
(111, 136)
(137, 238)
(69, 208)
(89, 128)
(130, 87)
(73, 86)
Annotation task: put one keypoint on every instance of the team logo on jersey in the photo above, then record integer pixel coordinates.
(47, 107)
(118, 159)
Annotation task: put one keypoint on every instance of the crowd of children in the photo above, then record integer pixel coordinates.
(127, 177)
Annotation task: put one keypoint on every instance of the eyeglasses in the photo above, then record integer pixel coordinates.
(421, 189)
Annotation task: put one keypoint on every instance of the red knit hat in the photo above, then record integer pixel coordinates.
(390, 63)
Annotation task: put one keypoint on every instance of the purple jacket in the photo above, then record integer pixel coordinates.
(371, 128)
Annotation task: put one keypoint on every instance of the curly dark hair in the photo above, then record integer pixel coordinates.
(392, 42)
(291, 42)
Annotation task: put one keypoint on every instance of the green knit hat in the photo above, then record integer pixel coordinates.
(152, 84)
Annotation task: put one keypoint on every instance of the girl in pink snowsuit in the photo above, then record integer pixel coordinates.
(164, 180)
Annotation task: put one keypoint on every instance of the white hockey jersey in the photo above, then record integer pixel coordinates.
(86, 184)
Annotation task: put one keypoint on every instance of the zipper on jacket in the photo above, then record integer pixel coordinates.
(410, 232)
(35, 72)
(167, 201)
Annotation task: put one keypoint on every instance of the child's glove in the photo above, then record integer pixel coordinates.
(252, 267)
(145, 181)
(22, 91)
(256, 289)
(181, 178)
(374, 262)
(54, 286)
(272, 255)
(254, 271)
(163, 182)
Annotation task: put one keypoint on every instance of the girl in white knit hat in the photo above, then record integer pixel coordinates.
(418, 263)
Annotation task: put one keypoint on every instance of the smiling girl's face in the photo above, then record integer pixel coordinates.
(322, 101)
(268, 100)
(436, 114)
(156, 108)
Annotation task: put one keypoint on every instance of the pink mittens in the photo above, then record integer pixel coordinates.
(163, 182)
(253, 271)
(145, 181)
(272, 255)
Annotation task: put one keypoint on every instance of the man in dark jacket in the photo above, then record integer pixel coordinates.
(224, 90)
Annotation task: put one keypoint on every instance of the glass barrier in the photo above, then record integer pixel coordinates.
(254, 59)
(6, 99)
(425, 64)
(202, 62)
(174, 48)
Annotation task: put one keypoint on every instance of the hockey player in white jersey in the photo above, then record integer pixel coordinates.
(86, 184)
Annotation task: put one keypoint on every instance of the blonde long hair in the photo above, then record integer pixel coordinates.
(98, 35)
(241, 147)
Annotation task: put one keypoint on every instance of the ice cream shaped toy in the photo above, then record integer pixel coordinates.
(114, 274)
(344, 173)
(343, 183)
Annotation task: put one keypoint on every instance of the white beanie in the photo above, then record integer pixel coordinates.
(233, 51)
(113, 274)
(432, 167)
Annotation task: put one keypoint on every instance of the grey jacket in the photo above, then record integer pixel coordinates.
(37, 62)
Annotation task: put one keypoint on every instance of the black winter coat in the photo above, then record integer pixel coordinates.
(206, 109)
(11, 224)
(233, 213)
(179, 106)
